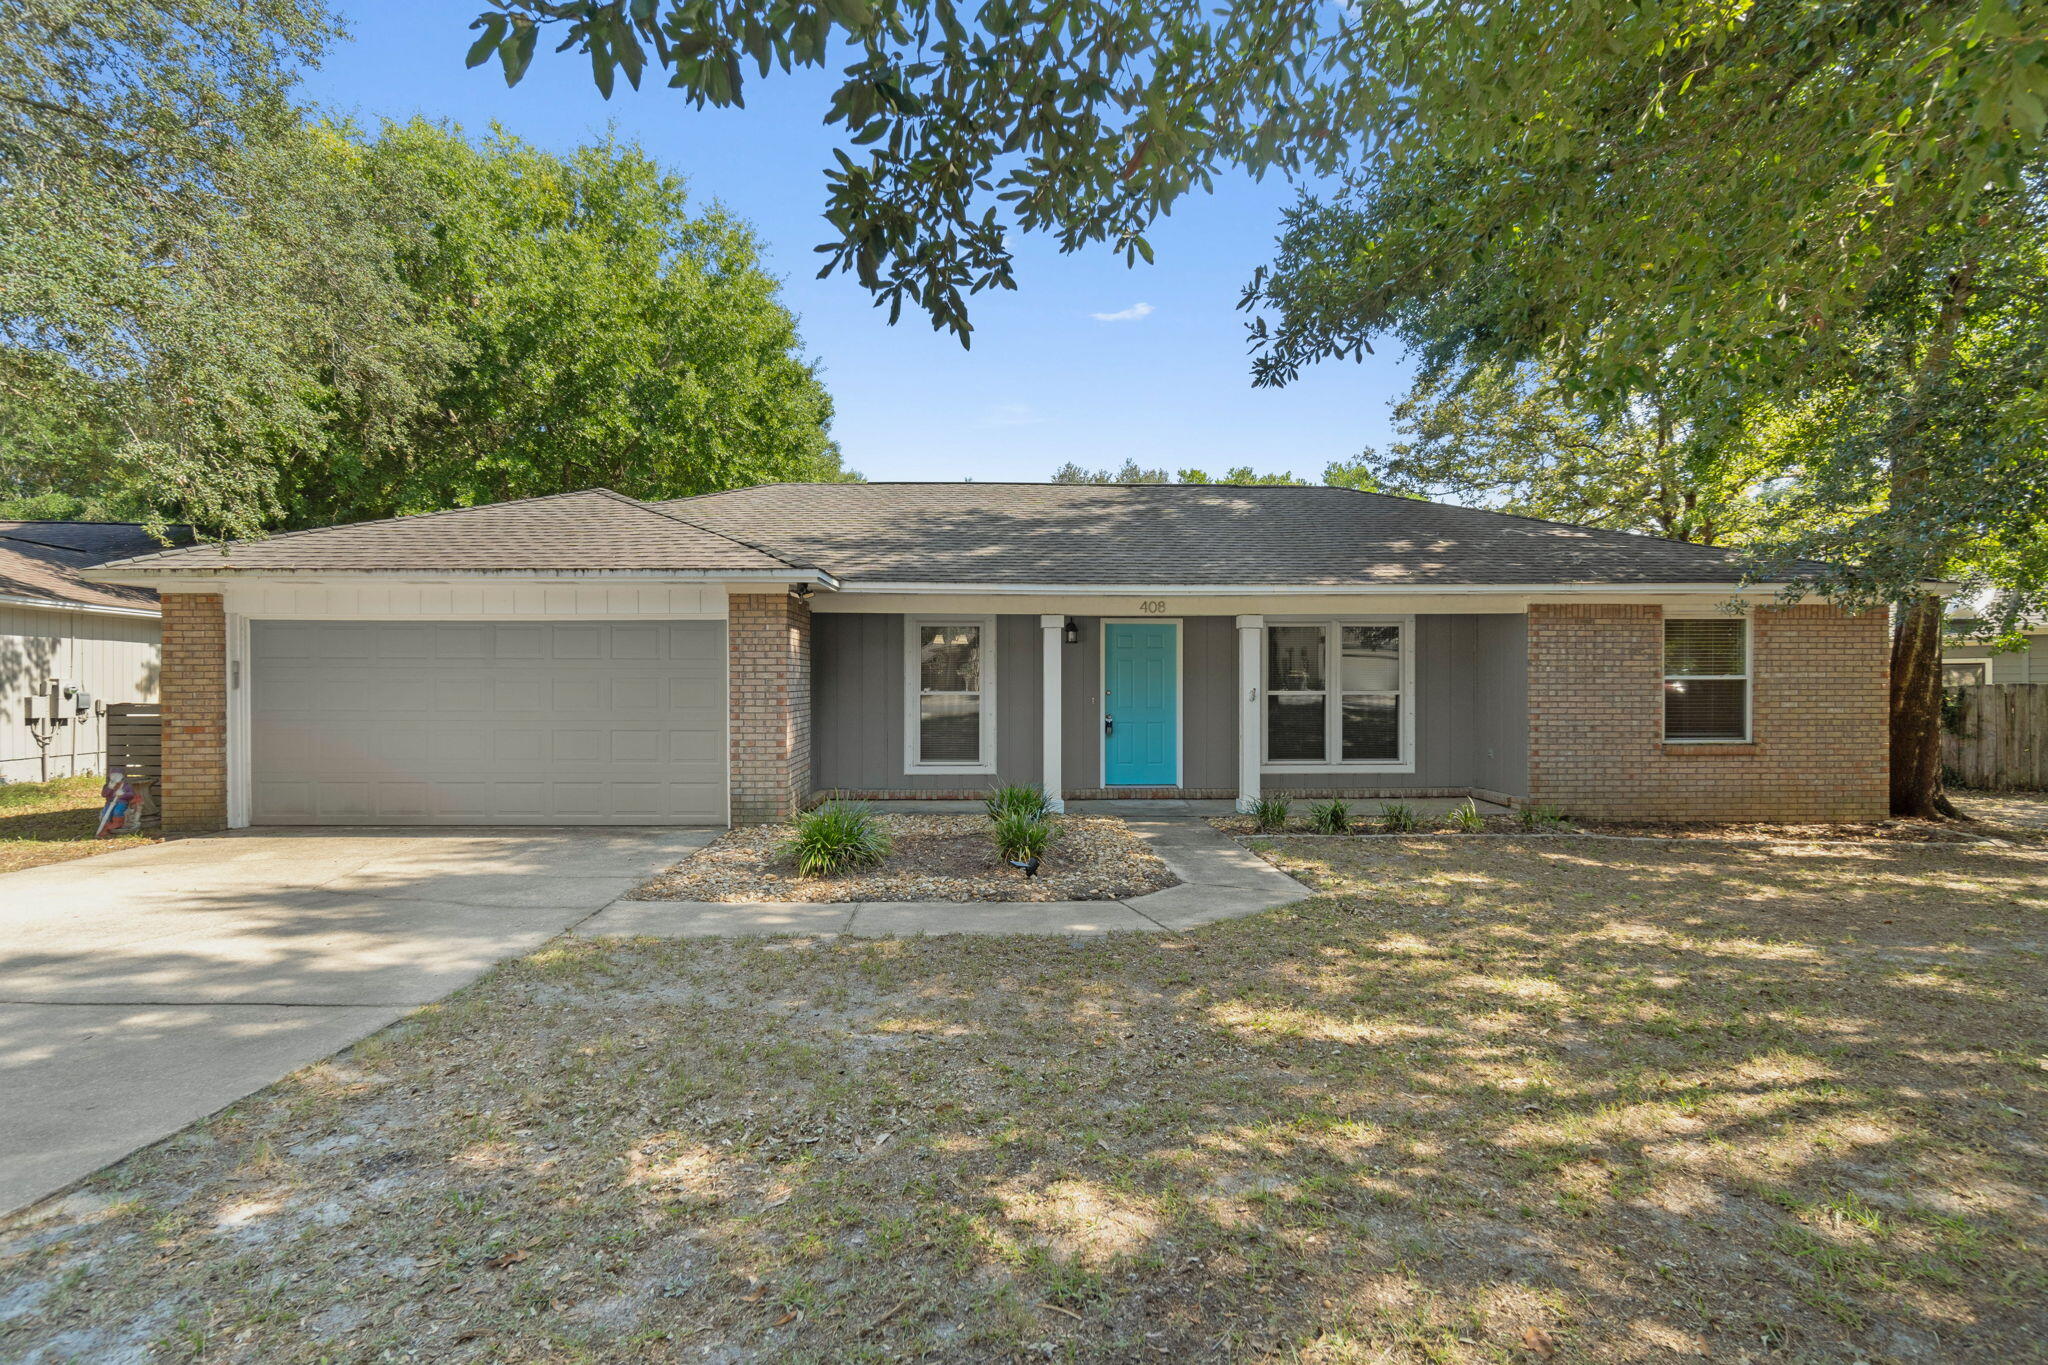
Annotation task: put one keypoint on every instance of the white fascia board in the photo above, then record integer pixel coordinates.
(89, 608)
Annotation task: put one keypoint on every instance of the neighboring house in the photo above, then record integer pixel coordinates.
(98, 638)
(587, 658)
(1971, 662)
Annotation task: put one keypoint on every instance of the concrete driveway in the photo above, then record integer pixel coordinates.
(145, 989)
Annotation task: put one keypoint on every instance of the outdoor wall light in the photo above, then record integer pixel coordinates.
(1072, 632)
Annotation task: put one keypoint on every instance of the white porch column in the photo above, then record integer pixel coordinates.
(1053, 629)
(1248, 632)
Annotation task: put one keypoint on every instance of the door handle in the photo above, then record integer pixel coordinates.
(1109, 725)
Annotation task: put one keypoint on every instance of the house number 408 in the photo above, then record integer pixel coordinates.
(1153, 607)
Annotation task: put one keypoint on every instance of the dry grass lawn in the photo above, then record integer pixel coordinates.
(53, 822)
(1554, 1100)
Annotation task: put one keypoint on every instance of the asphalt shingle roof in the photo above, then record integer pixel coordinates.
(1180, 534)
(996, 534)
(592, 530)
(41, 560)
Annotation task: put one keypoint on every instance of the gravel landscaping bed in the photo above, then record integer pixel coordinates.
(935, 858)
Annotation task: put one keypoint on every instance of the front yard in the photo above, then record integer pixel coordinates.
(53, 822)
(1552, 1099)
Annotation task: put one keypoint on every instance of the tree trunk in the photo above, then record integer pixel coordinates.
(1916, 711)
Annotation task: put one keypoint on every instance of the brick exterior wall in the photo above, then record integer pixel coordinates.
(770, 641)
(193, 686)
(1818, 745)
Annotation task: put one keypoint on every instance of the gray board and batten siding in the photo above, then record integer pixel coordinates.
(1471, 700)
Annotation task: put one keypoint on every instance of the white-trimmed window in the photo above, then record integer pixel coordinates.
(949, 674)
(1340, 694)
(1965, 672)
(1706, 680)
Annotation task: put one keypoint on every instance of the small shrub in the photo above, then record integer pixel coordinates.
(1398, 817)
(1465, 816)
(836, 837)
(1269, 815)
(1021, 797)
(1329, 817)
(1540, 816)
(1020, 836)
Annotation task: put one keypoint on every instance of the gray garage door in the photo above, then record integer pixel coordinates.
(458, 723)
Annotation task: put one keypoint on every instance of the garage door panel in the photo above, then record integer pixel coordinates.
(403, 722)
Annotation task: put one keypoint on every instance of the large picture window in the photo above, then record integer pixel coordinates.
(950, 707)
(1338, 694)
(1706, 680)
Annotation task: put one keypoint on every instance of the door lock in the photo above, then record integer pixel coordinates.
(1109, 725)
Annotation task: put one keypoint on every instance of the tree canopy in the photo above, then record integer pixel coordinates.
(216, 308)
(1815, 142)
(1132, 472)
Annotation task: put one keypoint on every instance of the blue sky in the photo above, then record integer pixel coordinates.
(1165, 382)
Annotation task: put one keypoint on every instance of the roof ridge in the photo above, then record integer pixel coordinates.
(1541, 521)
(653, 510)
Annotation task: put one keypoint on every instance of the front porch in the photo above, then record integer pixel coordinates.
(937, 705)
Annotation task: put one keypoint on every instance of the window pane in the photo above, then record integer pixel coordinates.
(1962, 675)
(1372, 659)
(1294, 658)
(1372, 729)
(1294, 729)
(1692, 648)
(949, 658)
(1704, 710)
(949, 728)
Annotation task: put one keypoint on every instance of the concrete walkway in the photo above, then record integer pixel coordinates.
(1219, 880)
(145, 989)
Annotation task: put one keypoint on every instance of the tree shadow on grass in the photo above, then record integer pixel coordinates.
(1627, 1104)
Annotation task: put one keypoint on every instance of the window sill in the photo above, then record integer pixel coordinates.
(1283, 768)
(1709, 748)
(942, 769)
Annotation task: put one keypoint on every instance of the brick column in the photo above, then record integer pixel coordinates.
(1818, 746)
(194, 691)
(769, 639)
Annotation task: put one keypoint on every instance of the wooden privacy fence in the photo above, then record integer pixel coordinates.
(135, 745)
(1996, 736)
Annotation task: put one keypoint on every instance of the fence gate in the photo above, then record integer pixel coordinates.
(1995, 736)
(135, 745)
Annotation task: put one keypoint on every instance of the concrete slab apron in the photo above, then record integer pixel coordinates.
(1220, 879)
(142, 990)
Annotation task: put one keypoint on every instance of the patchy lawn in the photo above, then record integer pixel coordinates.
(52, 822)
(1555, 1099)
(931, 858)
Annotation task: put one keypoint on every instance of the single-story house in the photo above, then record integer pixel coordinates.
(1969, 660)
(590, 658)
(91, 642)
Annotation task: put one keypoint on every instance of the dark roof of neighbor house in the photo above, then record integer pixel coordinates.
(1183, 535)
(996, 534)
(594, 529)
(40, 560)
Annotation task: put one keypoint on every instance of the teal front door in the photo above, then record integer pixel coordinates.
(1140, 704)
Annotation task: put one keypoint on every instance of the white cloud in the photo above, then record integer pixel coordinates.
(1130, 314)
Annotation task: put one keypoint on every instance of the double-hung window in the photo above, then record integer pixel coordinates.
(1339, 694)
(949, 707)
(1706, 680)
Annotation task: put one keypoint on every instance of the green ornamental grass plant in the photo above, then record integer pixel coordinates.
(1020, 836)
(1398, 817)
(837, 837)
(1330, 817)
(1465, 817)
(1018, 797)
(1269, 815)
